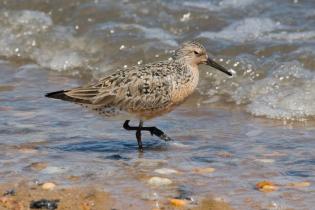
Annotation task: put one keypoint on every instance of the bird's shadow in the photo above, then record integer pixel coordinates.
(112, 147)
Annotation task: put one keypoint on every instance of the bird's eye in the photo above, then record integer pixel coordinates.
(196, 53)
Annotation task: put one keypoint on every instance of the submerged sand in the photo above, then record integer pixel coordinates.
(85, 198)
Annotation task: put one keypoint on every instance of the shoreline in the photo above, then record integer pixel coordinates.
(88, 198)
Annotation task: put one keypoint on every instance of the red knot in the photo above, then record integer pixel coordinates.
(144, 91)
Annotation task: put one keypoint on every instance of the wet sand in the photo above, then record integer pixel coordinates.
(86, 198)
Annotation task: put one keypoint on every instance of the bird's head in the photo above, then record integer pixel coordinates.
(193, 53)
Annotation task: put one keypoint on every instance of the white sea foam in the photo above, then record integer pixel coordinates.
(259, 29)
(284, 90)
(287, 92)
(292, 36)
(220, 5)
(248, 29)
(147, 32)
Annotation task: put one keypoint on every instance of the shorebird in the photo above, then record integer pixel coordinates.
(144, 91)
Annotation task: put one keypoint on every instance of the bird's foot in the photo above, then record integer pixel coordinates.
(157, 132)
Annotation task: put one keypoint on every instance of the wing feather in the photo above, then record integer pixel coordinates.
(141, 88)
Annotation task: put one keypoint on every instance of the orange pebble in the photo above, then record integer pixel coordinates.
(266, 186)
(178, 202)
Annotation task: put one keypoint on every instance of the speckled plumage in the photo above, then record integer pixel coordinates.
(144, 91)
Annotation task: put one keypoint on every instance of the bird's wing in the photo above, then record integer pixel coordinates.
(146, 90)
(146, 87)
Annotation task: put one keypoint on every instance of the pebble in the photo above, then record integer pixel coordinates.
(44, 204)
(28, 150)
(149, 163)
(165, 171)
(52, 170)
(178, 202)
(265, 160)
(204, 170)
(74, 178)
(48, 186)
(159, 181)
(38, 166)
(225, 154)
(299, 184)
(266, 186)
(11, 192)
(185, 17)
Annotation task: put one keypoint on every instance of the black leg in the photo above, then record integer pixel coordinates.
(153, 130)
(138, 132)
(138, 135)
(129, 128)
(157, 132)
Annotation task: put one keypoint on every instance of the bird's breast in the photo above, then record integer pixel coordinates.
(185, 86)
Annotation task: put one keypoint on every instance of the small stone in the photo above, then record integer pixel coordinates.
(266, 186)
(28, 150)
(225, 154)
(11, 192)
(159, 181)
(44, 204)
(122, 47)
(299, 184)
(265, 160)
(73, 178)
(204, 170)
(38, 166)
(178, 202)
(165, 171)
(48, 186)
(52, 170)
(185, 17)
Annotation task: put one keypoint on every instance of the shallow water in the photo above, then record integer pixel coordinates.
(255, 126)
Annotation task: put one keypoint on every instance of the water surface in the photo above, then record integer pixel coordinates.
(255, 126)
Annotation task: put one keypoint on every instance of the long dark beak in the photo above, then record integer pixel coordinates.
(215, 65)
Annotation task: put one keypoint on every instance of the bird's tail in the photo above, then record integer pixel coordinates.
(63, 96)
(57, 95)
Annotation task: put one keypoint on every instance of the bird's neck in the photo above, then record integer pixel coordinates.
(191, 66)
(188, 63)
(187, 82)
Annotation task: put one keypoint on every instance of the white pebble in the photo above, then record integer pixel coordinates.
(52, 170)
(122, 47)
(159, 181)
(265, 160)
(185, 17)
(165, 171)
(48, 186)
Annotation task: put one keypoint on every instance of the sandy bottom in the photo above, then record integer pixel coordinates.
(85, 198)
